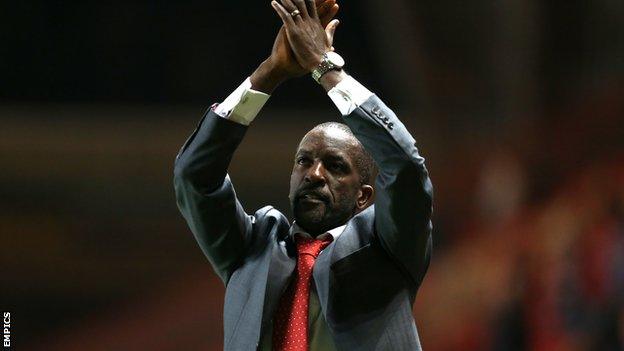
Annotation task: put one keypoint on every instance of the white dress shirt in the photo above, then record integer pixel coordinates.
(244, 103)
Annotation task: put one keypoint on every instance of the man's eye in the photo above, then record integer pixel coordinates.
(337, 166)
(302, 160)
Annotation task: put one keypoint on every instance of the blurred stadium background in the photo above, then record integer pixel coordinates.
(518, 107)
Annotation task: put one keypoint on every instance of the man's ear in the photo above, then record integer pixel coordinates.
(366, 196)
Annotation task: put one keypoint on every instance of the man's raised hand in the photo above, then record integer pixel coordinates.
(282, 53)
(282, 63)
(308, 38)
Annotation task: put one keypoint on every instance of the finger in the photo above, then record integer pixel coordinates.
(281, 11)
(321, 10)
(302, 7)
(330, 30)
(323, 7)
(329, 15)
(291, 7)
(288, 5)
(312, 9)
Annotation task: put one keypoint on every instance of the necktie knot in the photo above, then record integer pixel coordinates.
(311, 246)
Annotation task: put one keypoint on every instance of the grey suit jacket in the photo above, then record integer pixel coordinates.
(366, 280)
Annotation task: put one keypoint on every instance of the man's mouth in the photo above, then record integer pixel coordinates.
(312, 197)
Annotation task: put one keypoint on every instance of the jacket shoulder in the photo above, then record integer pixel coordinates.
(269, 211)
(269, 219)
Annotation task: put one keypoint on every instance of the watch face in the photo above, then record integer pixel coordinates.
(335, 59)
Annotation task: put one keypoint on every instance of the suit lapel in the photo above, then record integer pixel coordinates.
(356, 234)
(281, 269)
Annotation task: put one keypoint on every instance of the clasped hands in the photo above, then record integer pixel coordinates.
(307, 33)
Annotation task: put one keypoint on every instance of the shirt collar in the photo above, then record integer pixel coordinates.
(335, 233)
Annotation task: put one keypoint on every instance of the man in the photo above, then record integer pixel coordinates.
(344, 275)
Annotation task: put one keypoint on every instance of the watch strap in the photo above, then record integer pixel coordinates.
(324, 67)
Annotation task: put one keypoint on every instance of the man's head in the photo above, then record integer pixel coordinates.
(331, 178)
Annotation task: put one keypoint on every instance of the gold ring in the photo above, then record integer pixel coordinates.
(295, 13)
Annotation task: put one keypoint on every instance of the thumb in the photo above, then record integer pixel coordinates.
(331, 29)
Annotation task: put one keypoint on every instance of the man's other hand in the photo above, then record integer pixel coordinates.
(308, 38)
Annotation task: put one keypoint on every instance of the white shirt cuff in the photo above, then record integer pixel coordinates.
(243, 104)
(348, 95)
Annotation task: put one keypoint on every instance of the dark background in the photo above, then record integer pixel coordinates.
(516, 105)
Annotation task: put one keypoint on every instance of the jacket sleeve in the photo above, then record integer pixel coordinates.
(404, 193)
(206, 197)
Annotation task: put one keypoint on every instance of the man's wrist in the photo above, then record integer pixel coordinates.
(331, 62)
(315, 63)
(331, 78)
(267, 77)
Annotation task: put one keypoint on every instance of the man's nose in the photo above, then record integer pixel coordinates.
(316, 173)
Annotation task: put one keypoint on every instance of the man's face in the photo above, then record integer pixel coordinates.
(325, 187)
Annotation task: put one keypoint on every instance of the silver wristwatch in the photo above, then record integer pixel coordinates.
(331, 61)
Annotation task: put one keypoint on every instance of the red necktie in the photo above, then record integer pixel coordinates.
(290, 328)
